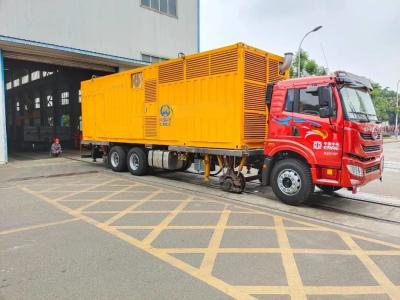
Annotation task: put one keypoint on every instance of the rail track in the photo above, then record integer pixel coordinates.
(356, 206)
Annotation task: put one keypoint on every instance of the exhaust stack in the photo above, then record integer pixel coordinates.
(287, 62)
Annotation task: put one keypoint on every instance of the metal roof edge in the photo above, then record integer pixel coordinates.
(68, 49)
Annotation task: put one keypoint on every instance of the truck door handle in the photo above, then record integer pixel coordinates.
(295, 131)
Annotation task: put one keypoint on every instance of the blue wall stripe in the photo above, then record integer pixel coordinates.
(3, 129)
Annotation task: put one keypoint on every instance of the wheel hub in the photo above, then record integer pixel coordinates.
(134, 162)
(114, 159)
(289, 182)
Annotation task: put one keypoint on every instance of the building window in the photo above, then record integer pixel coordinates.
(46, 73)
(79, 96)
(167, 7)
(35, 75)
(49, 100)
(37, 103)
(26, 108)
(80, 123)
(9, 85)
(64, 98)
(16, 82)
(153, 59)
(17, 106)
(25, 79)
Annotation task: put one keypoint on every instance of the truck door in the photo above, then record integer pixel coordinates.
(324, 136)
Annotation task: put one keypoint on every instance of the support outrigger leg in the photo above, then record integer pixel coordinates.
(206, 167)
(233, 181)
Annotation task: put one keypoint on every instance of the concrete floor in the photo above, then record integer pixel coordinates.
(74, 230)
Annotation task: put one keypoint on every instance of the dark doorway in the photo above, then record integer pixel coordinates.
(43, 102)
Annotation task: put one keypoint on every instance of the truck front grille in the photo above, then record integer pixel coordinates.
(371, 148)
(368, 136)
(372, 168)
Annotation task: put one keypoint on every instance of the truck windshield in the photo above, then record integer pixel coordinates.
(358, 104)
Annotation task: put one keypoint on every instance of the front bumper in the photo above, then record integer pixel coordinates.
(372, 170)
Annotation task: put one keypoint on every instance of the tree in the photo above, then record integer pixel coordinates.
(308, 66)
(385, 103)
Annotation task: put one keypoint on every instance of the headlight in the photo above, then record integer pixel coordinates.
(355, 170)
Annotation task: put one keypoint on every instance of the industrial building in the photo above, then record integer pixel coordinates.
(48, 47)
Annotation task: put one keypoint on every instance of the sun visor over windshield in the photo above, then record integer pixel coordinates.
(353, 80)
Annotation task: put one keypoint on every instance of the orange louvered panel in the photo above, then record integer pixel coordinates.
(150, 126)
(170, 72)
(254, 97)
(273, 71)
(150, 91)
(224, 62)
(197, 67)
(254, 126)
(255, 67)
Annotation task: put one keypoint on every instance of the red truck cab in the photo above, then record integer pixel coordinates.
(323, 131)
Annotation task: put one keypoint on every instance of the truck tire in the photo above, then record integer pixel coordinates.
(137, 161)
(117, 159)
(291, 181)
(328, 189)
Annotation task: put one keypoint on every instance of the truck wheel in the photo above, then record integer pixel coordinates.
(329, 189)
(186, 165)
(137, 161)
(291, 181)
(117, 159)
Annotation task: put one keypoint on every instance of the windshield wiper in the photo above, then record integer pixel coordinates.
(363, 114)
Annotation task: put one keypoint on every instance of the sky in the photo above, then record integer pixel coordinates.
(359, 36)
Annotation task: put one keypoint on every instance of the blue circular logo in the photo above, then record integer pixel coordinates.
(165, 110)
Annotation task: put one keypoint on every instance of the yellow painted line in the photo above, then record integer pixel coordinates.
(183, 212)
(228, 289)
(33, 227)
(314, 290)
(208, 262)
(122, 227)
(167, 220)
(210, 280)
(344, 290)
(295, 289)
(272, 250)
(82, 208)
(392, 290)
(268, 290)
(133, 206)
(289, 263)
(74, 200)
(83, 190)
(315, 225)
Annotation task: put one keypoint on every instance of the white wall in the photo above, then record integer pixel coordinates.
(120, 27)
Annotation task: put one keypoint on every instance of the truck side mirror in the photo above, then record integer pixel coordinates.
(324, 112)
(325, 101)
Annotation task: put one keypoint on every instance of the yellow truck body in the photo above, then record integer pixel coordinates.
(213, 99)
